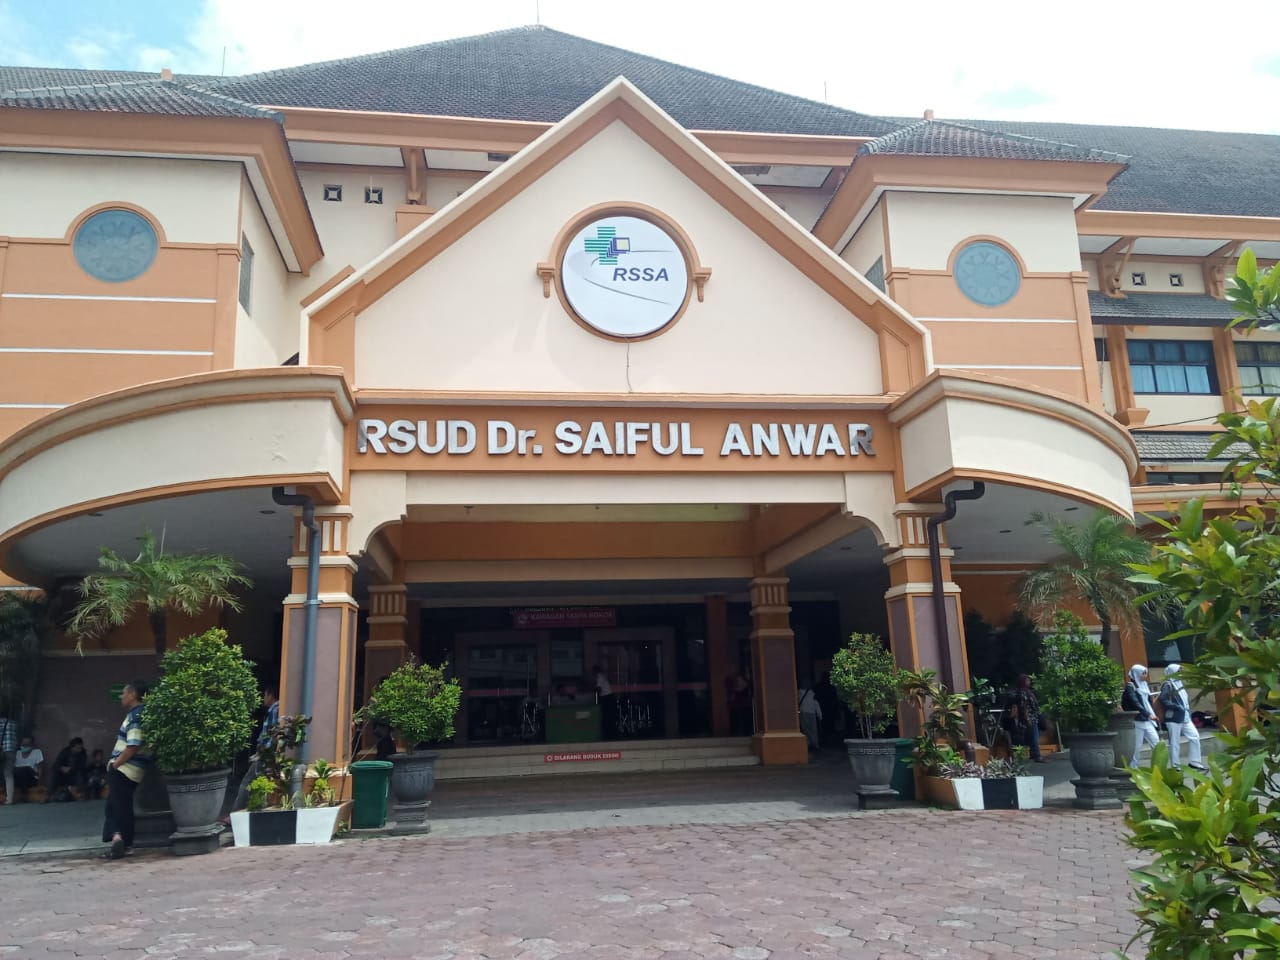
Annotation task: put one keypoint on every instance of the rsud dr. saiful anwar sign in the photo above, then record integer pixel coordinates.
(453, 437)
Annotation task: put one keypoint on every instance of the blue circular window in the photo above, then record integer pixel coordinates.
(116, 245)
(987, 273)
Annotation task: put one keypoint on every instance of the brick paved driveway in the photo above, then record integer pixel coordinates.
(909, 883)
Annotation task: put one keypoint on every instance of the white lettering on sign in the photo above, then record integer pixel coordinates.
(616, 438)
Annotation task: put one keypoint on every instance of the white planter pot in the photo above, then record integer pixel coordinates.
(1030, 792)
(316, 824)
(968, 793)
(240, 827)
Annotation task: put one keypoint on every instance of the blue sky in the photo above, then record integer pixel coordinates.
(1086, 61)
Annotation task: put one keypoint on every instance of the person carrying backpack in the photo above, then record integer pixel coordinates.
(1137, 698)
(1177, 718)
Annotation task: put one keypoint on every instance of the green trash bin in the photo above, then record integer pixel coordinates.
(903, 780)
(371, 784)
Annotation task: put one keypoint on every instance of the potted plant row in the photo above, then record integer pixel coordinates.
(282, 809)
(1006, 784)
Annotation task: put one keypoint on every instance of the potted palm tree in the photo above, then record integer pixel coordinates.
(1079, 687)
(1095, 567)
(156, 584)
(865, 677)
(418, 704)
(196, 717)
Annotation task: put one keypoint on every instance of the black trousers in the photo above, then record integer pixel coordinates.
(119, 808)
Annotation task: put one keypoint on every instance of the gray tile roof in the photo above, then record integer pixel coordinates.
(535, 73)
(944, 138)
(1158, 446)
(1182, 309)
(148, 96)
(1177, 171)
(31, 78)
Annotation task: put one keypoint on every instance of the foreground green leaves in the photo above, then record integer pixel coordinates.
(1210, 892)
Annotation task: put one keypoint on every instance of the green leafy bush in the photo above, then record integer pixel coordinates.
(416, 702)
(259, 792)
(1079, 684)
(1210, 888)
(201, 710)
(865, 676)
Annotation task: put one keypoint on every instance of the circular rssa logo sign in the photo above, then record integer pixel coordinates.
(624, 276)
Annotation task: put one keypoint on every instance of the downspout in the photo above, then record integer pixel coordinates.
(312, 607)
(935, 567)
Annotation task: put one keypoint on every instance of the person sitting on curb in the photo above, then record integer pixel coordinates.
(1177, 718)
(28, 766)
(66, 780)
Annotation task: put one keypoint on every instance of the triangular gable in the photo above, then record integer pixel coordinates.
(331, 320)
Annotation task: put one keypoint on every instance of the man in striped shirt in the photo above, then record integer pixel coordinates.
(126, 768)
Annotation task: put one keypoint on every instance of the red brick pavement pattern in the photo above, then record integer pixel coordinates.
(893, 886)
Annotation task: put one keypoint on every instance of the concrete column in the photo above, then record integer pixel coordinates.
(913, 633)
(334, 656)
(720, 664)
(778, 739)
(388, 621)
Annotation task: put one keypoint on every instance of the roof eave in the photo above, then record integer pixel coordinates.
(258, 143)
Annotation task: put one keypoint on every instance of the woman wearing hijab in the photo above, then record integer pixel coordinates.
(1137, 698)
(1022, 717)
(1177, 717)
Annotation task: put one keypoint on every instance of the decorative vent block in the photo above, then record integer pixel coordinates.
(1175, 279)
(1138, 279)
(333, 192)
(372, 194)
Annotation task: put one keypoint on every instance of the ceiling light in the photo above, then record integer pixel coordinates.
(1069, 509)
(99, 514)
(1006, 531)
(266, 512)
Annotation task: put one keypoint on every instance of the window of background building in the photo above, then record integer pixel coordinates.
(246, 273)
(1100, 349)
(1172, 366)
(1259, 368)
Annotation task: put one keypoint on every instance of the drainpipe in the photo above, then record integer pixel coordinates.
(935, 566)
(313, 595)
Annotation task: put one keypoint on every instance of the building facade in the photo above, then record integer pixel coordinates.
(592, 365)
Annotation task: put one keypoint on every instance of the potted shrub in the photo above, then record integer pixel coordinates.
(196, 717)
(418, 704)
(283, 808)
(866, 678)
(1079, 687)
(1030, 787)
(937, 756)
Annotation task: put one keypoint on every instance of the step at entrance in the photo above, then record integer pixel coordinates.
(619, 756)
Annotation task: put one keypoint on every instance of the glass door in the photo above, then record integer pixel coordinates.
(500, 686)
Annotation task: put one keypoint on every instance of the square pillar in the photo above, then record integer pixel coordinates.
(778, 739)
(334, 652)
(388, 622)
(914, 636)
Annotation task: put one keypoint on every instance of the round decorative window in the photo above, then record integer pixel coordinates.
(987, 273)
(624, 276)
(116, 245)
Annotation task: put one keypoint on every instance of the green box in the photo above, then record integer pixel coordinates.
(573, 723)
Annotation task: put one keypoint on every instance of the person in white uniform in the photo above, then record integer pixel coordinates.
(1137, 698)
(810, 716)
(1177, 718)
